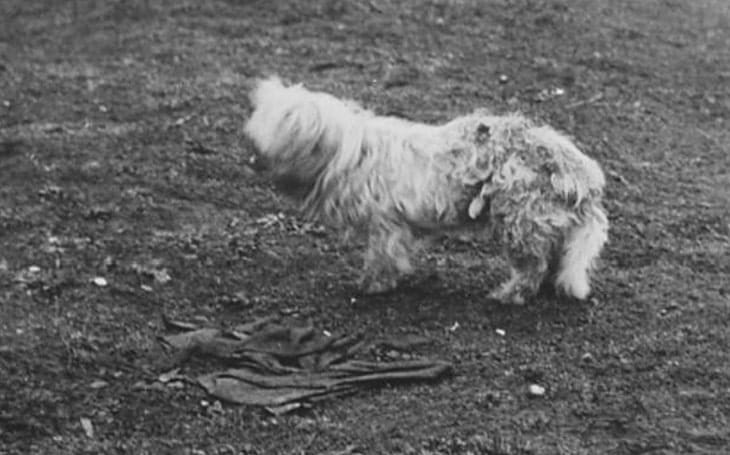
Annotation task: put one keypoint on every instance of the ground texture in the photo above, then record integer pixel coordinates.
(125, 195)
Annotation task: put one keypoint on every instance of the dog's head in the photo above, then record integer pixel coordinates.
(302, 138)
(287, 133)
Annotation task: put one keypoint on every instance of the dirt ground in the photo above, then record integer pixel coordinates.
(125, 195)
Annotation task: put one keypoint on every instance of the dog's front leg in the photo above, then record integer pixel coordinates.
(529, 266)
(387, 258)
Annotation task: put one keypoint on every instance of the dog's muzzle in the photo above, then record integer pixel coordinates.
(258, 163)
(288, 183)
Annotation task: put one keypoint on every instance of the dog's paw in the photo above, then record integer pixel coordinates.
(373, 286)
(508, 296)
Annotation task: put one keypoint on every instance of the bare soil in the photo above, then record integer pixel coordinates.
(122, 158)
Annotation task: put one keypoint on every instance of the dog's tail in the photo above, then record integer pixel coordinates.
(581, 248)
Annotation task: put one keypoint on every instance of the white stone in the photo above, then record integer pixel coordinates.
(536, 390)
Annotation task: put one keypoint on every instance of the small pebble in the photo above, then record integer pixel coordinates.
(98, 384)
(34, 269)
(500, 332)
(100, 281)
(503, 78)
(87, 426)
(536, 390)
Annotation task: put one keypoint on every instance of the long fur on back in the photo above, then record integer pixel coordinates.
(337, 143)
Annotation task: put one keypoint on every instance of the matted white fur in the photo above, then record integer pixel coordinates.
(526, 185)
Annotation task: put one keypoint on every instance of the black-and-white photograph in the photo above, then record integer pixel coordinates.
(365, 227)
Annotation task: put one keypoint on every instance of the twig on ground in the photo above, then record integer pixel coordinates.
(708, 136)
(618, 177)
(370, 5)
(328, 65)
(591, 100)
(349, 450)
(198, 147)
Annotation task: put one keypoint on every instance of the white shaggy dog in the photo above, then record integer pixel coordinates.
(528, 186)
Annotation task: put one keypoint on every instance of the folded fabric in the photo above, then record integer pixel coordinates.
(284, 366)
